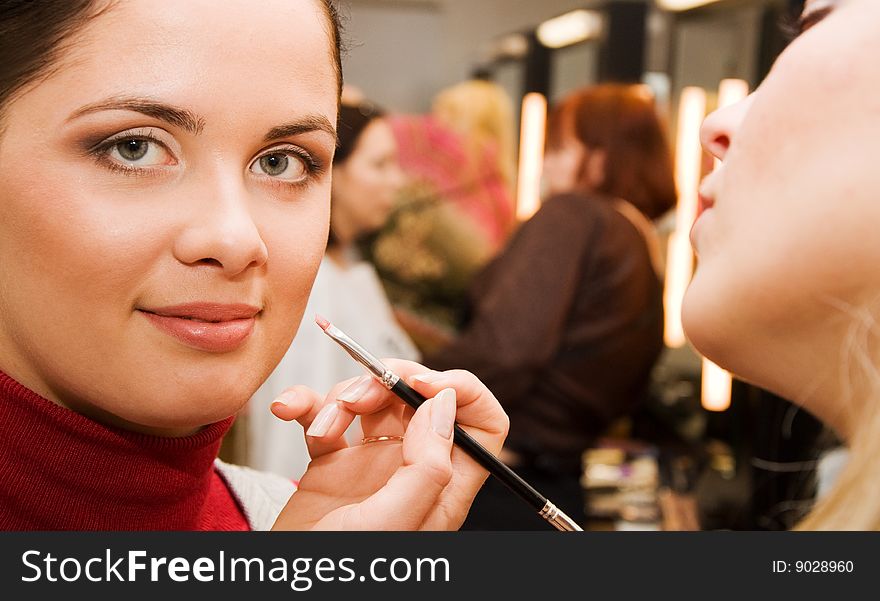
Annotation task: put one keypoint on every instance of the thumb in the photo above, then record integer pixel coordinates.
(413, 490)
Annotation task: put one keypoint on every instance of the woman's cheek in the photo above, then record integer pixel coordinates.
(295, 252)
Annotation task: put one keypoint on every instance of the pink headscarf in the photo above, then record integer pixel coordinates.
(433, 154)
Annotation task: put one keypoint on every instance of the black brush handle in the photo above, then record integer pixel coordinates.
(473, 448)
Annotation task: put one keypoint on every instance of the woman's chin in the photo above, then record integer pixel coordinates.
(179, 418)
(703, 321)
(715, 330)
(177, 410)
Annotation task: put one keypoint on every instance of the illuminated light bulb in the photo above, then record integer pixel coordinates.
(678, 5)
(688, 162)
(715, 389)
(570, 28)
(531, 155)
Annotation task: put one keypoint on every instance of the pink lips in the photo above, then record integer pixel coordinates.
(212, 327)
(705, 203)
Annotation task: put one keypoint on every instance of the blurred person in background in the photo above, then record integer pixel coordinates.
(366, 180)
(481, 113)
(458, 211)
(567, 322)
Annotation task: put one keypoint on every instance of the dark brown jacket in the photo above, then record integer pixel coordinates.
(565, 325)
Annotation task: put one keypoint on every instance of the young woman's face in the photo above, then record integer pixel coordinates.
(366, 184)
(165, 200)
(788, 251)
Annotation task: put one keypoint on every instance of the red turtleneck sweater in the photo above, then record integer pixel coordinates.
(60, 470)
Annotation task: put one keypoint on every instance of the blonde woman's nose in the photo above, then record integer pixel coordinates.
(720, 128)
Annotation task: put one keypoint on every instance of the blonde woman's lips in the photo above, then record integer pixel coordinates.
(705, 205)
(205, 326)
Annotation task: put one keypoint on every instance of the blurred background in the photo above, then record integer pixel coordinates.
(405, 51)
(701, 450)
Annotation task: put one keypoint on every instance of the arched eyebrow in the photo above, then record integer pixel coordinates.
(176, 116)
(303, 125)
(194, 124)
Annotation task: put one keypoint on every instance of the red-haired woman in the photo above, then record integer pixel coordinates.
(567, 322)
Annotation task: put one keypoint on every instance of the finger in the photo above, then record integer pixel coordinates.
(477, 406)
(367, 394)
(323, 420)
(386, 422)
(336, 420)
(413, 490)
(294, 403)
(362, 395)
(480, 414)
(408, 413)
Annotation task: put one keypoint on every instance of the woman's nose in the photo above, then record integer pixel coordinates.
(223, 233)
(719, 128)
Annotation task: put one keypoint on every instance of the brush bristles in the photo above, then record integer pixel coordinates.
(323, 323)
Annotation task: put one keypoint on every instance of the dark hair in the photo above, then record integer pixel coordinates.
(353, 120)
(34, 33)
(622, 121)
(334, 21)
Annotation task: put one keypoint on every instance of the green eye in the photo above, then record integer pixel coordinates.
(137, 152)
(274, 164)
(133, 150)
(288, 166)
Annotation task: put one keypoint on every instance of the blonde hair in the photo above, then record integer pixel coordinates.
(853, 503)
(482, 113)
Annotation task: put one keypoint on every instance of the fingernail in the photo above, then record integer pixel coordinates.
(323, 420)
(443, 413)
(285, 398)
(355, 391)
(431, 377)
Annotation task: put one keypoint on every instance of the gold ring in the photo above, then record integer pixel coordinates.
(370, 439)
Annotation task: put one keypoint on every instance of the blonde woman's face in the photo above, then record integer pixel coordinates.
(165, 200)
(789, 248)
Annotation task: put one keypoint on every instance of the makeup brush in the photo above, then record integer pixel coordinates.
(413, 398)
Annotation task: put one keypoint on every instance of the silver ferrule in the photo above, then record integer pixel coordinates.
(363, 356)
(389, 379)
(557, 517)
